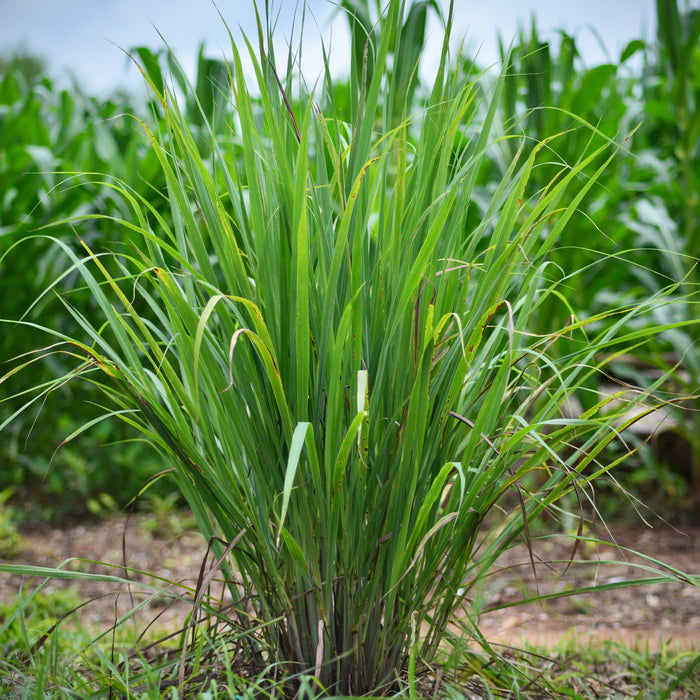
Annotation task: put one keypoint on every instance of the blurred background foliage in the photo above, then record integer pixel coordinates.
(642, 215)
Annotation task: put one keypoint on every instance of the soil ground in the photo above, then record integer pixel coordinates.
(637, 615)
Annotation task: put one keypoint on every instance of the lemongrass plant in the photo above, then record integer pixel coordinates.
(330, 343)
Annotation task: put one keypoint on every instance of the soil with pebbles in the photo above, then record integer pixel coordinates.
(636, 615)
(639, 615)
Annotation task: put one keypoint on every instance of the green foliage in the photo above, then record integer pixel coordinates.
(24, 621)
(50, 142)
(25, 64)
(637, 672)
(404, 37)
(638, 214)
(545, 90)
(165, 516)
(10, 540)
(672, 96)
(596, 670)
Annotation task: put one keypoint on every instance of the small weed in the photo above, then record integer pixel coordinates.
(10, 540)
(102, 506)
(165, 516)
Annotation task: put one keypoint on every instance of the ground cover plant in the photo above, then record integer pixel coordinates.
(331, 336)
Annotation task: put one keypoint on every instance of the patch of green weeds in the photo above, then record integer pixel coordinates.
(604, 669)
(102, 505)
(10, 540)
(25, 620)
(165, 516)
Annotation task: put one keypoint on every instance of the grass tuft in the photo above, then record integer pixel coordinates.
(333, 336)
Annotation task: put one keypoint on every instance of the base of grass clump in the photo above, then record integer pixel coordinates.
(217, 645)
(216, 666)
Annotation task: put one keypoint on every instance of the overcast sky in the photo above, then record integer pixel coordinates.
(84, 35)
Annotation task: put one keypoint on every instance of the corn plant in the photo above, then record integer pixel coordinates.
(333, 351)
(641, 226)
(547, 90)
(50, 141)
(671, 89)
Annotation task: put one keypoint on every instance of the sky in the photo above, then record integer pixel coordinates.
(86, 37)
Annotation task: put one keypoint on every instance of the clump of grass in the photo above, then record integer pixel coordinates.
(331, 344)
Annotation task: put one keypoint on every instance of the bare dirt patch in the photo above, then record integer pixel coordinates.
(130, 548)
(638, 615)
